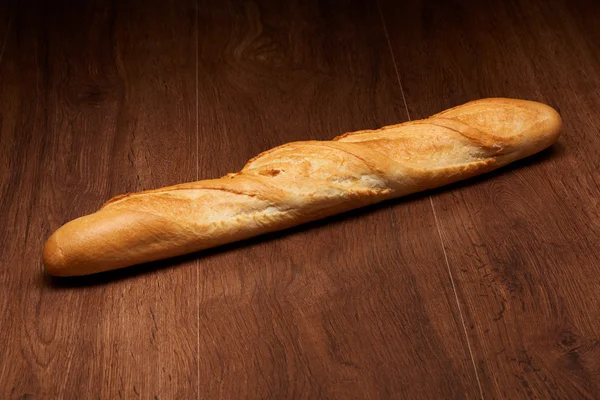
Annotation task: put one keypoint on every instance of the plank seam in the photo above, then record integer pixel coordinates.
(437, 224)
(462, 319)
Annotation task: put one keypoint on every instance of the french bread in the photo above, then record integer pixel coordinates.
(300, 182)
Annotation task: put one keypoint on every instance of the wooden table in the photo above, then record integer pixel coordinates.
(489, 288)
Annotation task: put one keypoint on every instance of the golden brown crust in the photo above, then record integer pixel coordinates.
(302, 181)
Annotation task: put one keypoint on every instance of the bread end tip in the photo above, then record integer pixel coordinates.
(552, 123)
(53, 257)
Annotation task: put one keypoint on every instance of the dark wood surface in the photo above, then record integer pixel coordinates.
(523, 244)
(486, 289)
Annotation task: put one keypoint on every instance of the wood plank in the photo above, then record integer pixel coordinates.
(522, 244)
(100, 99)
(22, 105)
(360, 306)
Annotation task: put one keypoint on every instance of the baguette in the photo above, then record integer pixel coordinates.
(300, 182)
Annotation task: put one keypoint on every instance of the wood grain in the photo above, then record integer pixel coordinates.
(523, 245)
(21, 117)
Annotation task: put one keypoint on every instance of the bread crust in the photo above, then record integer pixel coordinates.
(300, 182)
